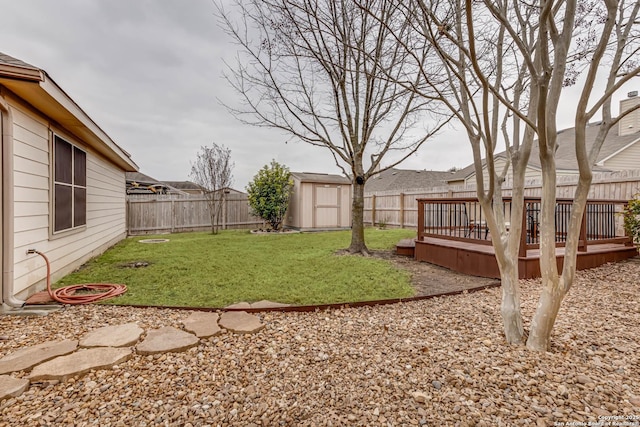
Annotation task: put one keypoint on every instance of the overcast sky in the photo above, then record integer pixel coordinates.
(149, 73)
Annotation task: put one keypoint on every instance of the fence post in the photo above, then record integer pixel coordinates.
(401, 210)
(173, 216)
(373, 210)
(224, 209)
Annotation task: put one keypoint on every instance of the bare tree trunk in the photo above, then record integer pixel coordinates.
(510, 308)
(545, 316)
(552, 292)
(556, 288)
(357, 221)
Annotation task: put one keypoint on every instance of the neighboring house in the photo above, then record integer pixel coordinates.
(139, 183)
(400, 180)
(62, 179)
(187, 187)
(319, 201)
(620, 151)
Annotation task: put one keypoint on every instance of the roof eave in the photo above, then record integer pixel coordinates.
(47, 97)
(17, 72)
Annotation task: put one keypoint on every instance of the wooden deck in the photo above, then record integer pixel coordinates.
(479, 259)
(452, 233)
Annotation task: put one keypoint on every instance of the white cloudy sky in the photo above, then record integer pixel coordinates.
(149, 72)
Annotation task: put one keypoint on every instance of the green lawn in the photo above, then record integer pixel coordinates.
(205, 270)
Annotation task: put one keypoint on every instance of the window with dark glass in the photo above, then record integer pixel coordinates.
(70, 186)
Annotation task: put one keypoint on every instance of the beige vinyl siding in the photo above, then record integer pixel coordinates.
(68, 250)
(630, 123)
(628, 158)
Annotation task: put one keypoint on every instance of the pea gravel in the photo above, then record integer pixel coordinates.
(437, 362)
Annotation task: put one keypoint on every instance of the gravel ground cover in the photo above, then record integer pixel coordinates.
(435, 362)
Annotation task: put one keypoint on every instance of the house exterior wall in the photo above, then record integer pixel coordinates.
(628, 158)
(105, 204)
(630, 123)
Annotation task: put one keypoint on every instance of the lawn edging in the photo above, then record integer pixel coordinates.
(319, 307)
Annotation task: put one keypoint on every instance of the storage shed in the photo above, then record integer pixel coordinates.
(319, 202)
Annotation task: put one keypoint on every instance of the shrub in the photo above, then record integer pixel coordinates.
(269, 193)
(631, 216)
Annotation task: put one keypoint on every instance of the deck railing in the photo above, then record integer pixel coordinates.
(464, 219)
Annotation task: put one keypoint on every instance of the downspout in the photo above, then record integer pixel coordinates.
(7, 207)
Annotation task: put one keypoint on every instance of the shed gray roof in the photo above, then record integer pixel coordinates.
(324, 178)
(403, 179)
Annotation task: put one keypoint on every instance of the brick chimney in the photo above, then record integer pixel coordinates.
(630, 123)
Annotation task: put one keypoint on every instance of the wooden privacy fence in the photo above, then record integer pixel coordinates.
(152, 214)
(400, 209)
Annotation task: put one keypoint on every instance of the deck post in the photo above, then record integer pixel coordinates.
(582, 241)
(420, 220)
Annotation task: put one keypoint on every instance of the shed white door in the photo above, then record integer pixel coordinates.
(326, 212)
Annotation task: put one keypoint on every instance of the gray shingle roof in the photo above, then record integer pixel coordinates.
(10, 60)
(140, 178)
(565, 155)
(184, 185)
(403, 179)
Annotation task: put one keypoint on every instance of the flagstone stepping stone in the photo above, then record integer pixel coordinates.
(202, 324)
(12, 387)
(113, 336)
(268, 304)
(80, 362)
(166, 339)
(26, 358)
(240, 322)
(239, 306)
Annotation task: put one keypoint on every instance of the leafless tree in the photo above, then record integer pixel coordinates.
(326, 72)
(507, 64)
(212, 171)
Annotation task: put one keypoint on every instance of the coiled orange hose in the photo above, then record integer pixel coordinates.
(67, 294)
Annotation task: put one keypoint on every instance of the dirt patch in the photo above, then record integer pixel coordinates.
(135, 264)
(429, 279)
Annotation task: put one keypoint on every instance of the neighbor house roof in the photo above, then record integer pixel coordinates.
(406, 179)
(36, 87)
(323, 178)
(565, 154)
(184, 185)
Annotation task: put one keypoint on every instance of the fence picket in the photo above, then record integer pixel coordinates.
(169, 213)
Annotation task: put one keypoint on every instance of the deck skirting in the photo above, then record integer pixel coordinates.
(479, 259)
